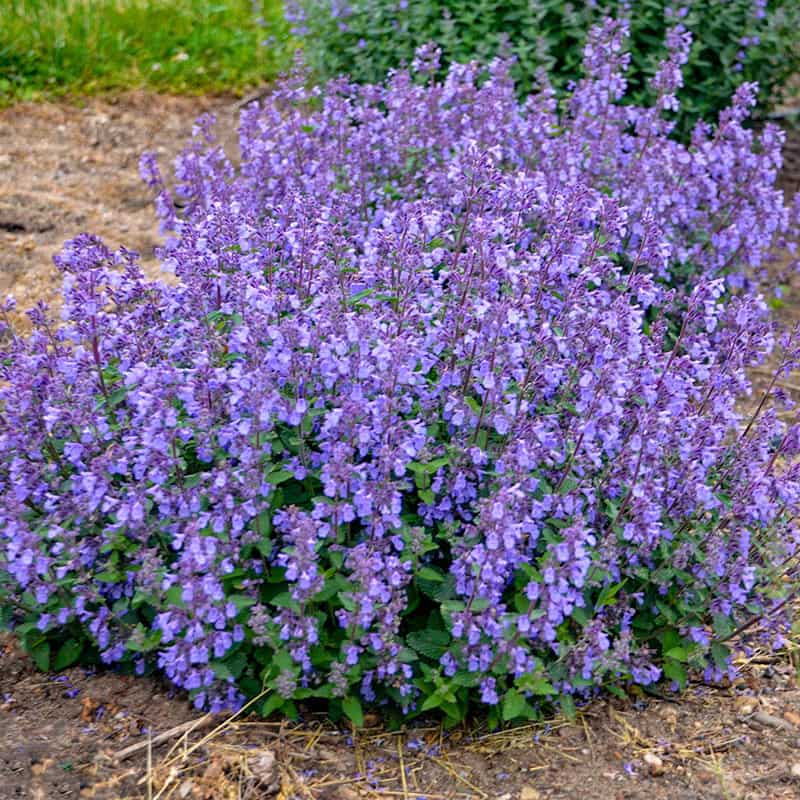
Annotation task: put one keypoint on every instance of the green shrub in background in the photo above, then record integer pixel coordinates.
(55, 47)
(734, 40)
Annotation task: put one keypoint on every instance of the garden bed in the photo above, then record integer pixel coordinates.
(60, 735)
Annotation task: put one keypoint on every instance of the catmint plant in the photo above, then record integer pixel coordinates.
(447, 405)
(737, 41)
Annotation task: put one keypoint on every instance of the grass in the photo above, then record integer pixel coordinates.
(50, 48)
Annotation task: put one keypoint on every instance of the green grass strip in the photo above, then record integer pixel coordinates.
(55, 47)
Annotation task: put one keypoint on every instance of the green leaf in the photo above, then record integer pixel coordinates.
(723, 625)
(721, 654)
(407, 656)
(264, 546)
(422, 481)
(465, 678)
(67, 654)
(436, 464)
(453, 606)
(678, 653)
(581, 616)
(429, 643)
(432, 702)
(115, 398)
(285, 600)
(283, 660)
(352, 709)
(568, 485)
(670, 638)
(279, 476)
(608, 593)
(175, 596)
(346, 599)
(454, 714)
(539, 686)
(568, 706)
(513, 705)
(427, 496)
(41, 656)
(221, 670)
(241, 601)
(441, 590)
(332, 586)
(431, 574)
(667, 611)
(675, 671)
(272, 704)
(521, 602)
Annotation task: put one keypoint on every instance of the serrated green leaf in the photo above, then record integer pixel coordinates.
(429, 643)
(540, 686)
(236, 663)
(431, 574)
(513, 705)
(439, 590)
(453, 606)
(466, 678)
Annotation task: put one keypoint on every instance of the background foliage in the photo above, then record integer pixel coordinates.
(735, 41)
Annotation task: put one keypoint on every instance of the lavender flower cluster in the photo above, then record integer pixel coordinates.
(425, 420)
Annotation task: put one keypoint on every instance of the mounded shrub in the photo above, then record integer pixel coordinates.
(736, 41)
(423, 421)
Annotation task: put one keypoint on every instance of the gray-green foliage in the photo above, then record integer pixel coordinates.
(735, 40)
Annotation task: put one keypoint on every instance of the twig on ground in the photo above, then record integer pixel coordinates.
(184, 727)
(403, 781)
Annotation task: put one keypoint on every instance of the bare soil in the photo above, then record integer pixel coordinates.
(65, 169)
(59, 735)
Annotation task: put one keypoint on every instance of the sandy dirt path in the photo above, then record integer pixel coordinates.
(65, 170)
